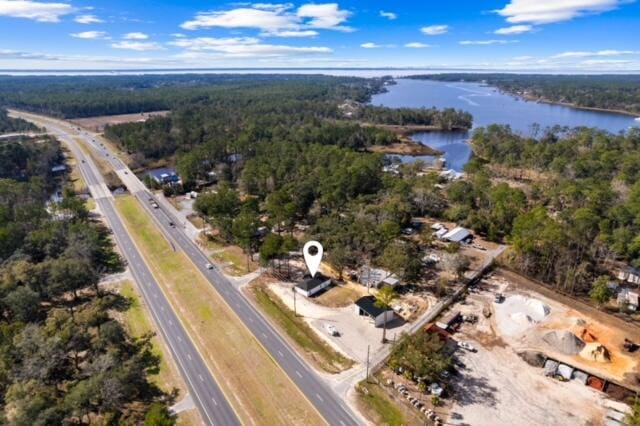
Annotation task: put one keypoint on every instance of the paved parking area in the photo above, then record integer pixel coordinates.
(356, 332)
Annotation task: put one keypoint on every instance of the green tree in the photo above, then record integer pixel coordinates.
(600, 292)
(384, 297)
(158, 415)
(245, 230)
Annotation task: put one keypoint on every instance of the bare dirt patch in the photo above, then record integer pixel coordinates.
(98, 123)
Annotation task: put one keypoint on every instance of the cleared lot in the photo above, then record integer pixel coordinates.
(496, 386)
(97, 123)
(256, 386)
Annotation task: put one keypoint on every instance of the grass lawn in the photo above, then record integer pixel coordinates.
(341, 295)
(236, 261)
(138, 323)
(255, 385)
(301, 333)
(378, 406)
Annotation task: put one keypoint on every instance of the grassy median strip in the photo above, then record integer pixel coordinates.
(138, 323)
(301, 333)
(256, 386)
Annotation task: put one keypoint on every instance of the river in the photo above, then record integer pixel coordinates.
(488, 106)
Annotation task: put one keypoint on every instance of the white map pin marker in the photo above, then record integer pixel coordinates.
(312, 260)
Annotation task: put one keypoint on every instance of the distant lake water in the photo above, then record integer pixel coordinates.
(488, 106)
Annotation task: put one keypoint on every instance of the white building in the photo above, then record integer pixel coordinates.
(457, 235)
(366, 307)
(310, 286)
(376, 278)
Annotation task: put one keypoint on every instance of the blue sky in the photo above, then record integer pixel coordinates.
(528, 35)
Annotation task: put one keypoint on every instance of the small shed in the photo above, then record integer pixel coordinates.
(550, 368)
(449, 320)
(580, 376)
(366, 306)
(59, 168)
(376, 278)
(565, 371)
(458, 235)
(629, 274)
(312, 285)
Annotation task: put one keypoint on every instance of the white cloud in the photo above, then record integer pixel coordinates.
(416, 45)
(485, 42)
(212, 43)
(37, 11)
(88, 19)
(290, 33)
(178, 35)
(242, 18)
(371, 45)
(606, 62)
(326, 16)
(135, 36)
(89, 35)
(514, 29)
(585, 54)
(389, 15)
(139, 46)
(240, 47)
(274, 18)
(435, 29)
(548, 11)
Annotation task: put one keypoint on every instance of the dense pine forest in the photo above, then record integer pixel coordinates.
(568, 202)
(63, 357)
(13, 125)
(294, 149)
(610, 92)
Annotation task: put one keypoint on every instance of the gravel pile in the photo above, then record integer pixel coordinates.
(564, 341)
(518, 313)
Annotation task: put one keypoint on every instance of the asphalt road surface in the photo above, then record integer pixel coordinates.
(330, 405)
(206, 394)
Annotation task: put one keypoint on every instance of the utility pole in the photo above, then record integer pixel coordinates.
(295, 311)
(367, 377)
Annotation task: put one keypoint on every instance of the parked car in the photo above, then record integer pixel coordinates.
(331, 329)
(435, 389)
(499, 298)
(467, 346)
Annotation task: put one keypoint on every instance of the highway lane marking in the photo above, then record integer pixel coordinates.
(214, 401)
(319, 397)
(281, 354)
(265, 336)
(342, 423)
(298, 373)
(201, 378)
(189, 356)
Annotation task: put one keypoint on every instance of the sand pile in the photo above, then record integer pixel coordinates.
(564, 341)
(518, 313)
(595, 352)
(587, 336)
